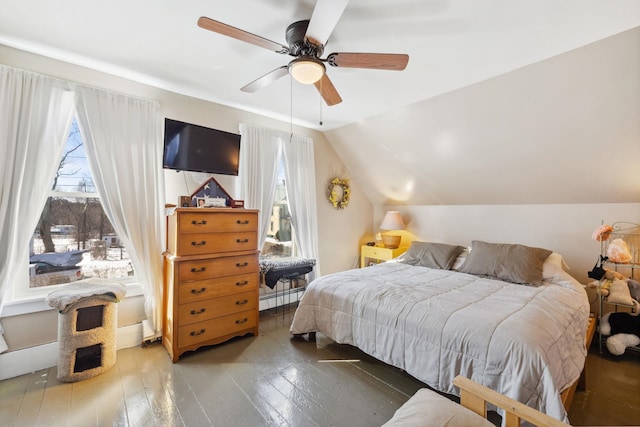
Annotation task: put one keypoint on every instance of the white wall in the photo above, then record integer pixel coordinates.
(564, 130)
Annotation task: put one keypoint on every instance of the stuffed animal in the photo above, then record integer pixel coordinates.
(612, 274)
(634, 289)
(623, 330)
(619, 293)
(602, 286)
(618, 251)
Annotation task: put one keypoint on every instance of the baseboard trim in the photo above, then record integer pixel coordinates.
(27, 360)
(279, 299)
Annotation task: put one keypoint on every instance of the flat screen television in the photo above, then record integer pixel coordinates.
(189, 147)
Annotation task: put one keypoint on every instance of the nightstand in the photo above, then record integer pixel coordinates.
(378, 254)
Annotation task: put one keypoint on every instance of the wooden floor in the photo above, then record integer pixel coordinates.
(269, 380)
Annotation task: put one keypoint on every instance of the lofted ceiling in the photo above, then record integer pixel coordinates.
(451, 44)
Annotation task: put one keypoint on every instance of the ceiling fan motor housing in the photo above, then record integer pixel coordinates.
(298, 46)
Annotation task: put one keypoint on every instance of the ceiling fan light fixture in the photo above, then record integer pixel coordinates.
(306, 70)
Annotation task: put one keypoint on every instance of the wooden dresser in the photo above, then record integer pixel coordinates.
(211, 275)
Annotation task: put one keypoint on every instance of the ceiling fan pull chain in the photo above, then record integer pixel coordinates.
(320, 101)
(290, 109)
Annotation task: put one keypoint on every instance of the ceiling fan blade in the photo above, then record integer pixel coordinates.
(323, 20)
(238, 34)
(266, 80)
(328, 91)
(379, 61)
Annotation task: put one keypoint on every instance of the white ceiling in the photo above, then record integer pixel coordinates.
(451, 44)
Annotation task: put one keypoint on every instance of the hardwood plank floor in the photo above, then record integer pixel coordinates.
(269, 380)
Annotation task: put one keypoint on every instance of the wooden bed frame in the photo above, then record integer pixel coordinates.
(475, 397)
(431, 409)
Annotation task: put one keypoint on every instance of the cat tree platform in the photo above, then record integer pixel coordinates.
(87, 325)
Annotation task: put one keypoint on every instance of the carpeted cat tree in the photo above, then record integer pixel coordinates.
(86, 327)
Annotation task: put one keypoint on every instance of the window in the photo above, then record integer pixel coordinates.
(74, 239)
(280, 237)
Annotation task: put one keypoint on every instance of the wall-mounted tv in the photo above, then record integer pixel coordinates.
(189, 147)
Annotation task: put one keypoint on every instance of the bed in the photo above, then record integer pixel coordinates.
(508, 317)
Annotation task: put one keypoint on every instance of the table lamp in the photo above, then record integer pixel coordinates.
(392, 221)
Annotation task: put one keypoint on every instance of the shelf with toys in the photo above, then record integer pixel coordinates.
(618, 286)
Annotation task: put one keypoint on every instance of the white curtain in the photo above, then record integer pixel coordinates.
(123, 140)
(35, 115)
(259, 153)
(300, 178)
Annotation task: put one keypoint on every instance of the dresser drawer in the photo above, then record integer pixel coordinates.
(216, 267)
(211, 243)
(216, 307)
(210, 329)
(212, 222)
(213, 288)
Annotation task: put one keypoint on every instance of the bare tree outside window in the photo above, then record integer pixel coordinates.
(45, 223)
(73, 238)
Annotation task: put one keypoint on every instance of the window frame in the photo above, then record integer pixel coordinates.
(30, 299)
(281, 175)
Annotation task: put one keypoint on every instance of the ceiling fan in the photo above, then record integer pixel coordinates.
(306, 41)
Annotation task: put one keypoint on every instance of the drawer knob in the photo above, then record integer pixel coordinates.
(203, 222)
(242, 240)
(198, 291)
(243, 302)
(198, 270)
(195, 333)
(245, 222)
(245, 283)
(245, 320)
(243, 264)
(202, 243)
(202, 310)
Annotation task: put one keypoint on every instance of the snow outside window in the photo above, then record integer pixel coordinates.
(74, 239)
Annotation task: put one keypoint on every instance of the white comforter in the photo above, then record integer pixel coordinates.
(525, 342)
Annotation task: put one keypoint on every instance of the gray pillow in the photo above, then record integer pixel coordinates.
(432, 255)
(508, 262)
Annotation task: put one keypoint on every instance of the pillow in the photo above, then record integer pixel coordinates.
(619, 293)
(552, 265)
(433, 255)
(460, 259)
(511, 263)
